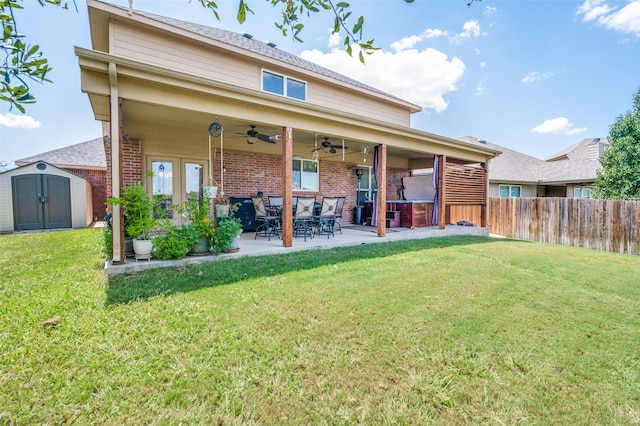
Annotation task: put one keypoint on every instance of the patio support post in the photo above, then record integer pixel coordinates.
(382, 190)
(117, 214)
(442, 193)
(287, 187)
(484, 209)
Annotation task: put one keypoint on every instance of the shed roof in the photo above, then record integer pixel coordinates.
(84, 155)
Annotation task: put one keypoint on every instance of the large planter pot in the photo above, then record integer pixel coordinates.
(201, 247)
(235, 244)
(142, 248)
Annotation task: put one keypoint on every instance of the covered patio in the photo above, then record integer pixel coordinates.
(160, 85)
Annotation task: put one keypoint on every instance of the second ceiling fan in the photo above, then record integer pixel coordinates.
(254, 136)
(327, 146)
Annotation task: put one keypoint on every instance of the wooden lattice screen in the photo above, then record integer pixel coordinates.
(465, 185)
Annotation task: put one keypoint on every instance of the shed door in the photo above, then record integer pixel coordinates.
(41, 202)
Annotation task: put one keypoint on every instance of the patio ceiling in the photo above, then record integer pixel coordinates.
(189, 129)
(173, 108)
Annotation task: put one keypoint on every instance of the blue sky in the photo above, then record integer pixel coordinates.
(534, 76)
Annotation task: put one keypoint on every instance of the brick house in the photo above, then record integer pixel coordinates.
(289, 127)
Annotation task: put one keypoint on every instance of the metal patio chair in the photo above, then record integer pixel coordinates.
(303, 219)
(325, 221)
(268, 223)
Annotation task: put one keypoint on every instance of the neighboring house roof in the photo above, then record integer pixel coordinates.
(586, 149)
(513, 166)
(261, 48)
(84, 155)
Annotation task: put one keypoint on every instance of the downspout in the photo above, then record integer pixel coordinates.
(116, 217)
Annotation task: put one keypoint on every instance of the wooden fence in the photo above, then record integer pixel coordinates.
(609, 225)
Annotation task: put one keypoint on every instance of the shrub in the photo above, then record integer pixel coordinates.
(175, 243)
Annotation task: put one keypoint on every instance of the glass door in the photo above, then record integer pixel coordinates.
(366, 185)
(162, 184)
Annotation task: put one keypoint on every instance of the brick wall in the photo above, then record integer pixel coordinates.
(132, 164)
(98, 181)
(250, 172)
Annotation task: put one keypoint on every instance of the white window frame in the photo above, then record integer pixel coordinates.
(285, 81)
(582, 192)
(511, 187)
(295, 186)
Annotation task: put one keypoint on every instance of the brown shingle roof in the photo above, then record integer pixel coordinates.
(258, 47)
(513, 166)
(88, 154)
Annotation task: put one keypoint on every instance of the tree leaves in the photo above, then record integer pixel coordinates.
(620, 175)
(21, 61)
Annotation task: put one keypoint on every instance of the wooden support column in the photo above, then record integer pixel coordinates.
(117, 213)
(382, 190)
(442, 193)
(287, 187)
(484, 209)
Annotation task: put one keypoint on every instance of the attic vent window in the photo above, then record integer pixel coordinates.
(271, 44)
(247, 35)
(41, 166)
(284, 86)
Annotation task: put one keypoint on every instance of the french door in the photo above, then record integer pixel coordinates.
(176, 179)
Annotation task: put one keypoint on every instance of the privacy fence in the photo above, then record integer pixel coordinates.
(609, 225)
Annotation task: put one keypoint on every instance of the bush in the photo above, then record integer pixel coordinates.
(175, 243)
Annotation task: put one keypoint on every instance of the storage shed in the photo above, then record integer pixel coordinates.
(42, 196)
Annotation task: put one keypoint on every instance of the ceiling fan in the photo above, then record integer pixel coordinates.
(253, 136)
(327, 146)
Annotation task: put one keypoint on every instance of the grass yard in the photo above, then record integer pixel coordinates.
(441, 331)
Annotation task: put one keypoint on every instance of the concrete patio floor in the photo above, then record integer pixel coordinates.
(351, 236)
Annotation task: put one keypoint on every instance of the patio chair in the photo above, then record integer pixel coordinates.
(303, 219)
(339, 208)
(326, 220)
(275, 204)
(268, 224)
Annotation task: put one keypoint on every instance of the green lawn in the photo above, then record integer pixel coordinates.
(463, 330)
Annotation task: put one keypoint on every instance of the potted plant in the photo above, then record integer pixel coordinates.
(196, 210)
(142, 213)
(174, 242)
(228, 231)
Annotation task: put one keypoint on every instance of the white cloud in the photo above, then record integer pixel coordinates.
(536, 76)
(593, 9)
(471, 29)
(406, 43)
(22, 121)
(558, 126)
(421, 77)
(481, 88)
(334, 39)
(433, 33)
(625, 19)
(409, 42)
(489, 10)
